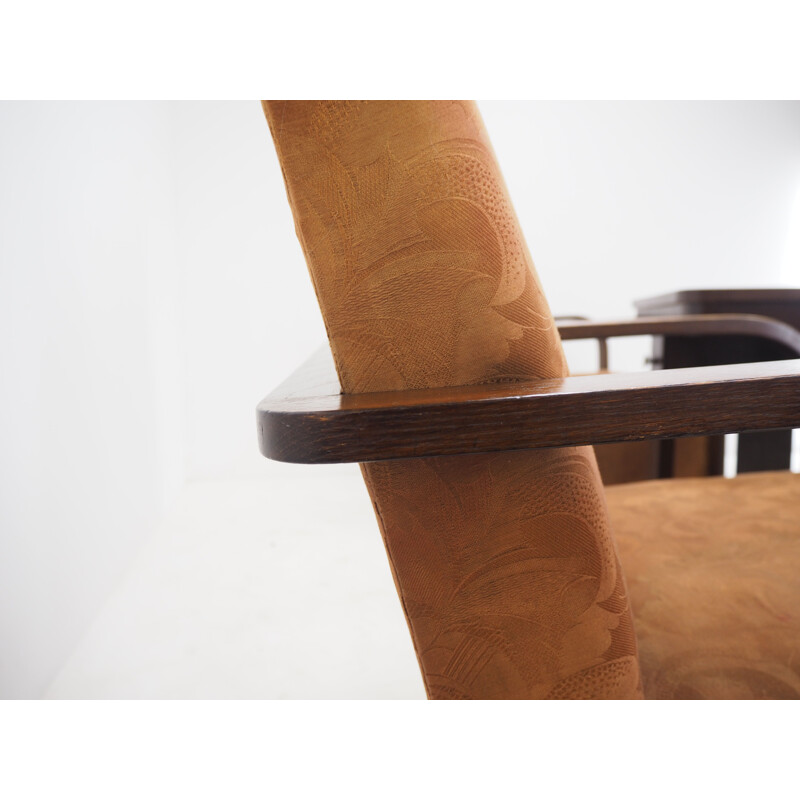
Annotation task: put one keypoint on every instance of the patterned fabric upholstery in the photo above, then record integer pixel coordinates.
(505, 564)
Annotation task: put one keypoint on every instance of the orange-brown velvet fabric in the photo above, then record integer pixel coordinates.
(504, 563)
(713, 569)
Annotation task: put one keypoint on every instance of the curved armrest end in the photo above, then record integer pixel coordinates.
(317, 425)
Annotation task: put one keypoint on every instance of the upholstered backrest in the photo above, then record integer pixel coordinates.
(505, 563)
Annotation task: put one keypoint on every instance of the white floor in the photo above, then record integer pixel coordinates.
(268, 588)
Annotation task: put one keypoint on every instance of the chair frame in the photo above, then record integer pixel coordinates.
(307, 419)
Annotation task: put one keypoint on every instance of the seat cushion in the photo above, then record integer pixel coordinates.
(713, 572)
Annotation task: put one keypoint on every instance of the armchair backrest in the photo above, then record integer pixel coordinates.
(504, 563)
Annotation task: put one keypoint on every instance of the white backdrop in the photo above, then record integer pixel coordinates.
(152, 290)
(87, 230)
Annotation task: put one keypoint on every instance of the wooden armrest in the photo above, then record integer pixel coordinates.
(307, 420)
(577, 327)
(686, 325)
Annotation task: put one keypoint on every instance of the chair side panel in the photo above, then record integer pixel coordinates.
(504, 563)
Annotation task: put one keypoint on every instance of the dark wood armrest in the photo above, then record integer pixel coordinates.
(307, 420)
(687, 325)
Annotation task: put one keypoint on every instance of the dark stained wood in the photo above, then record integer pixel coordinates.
(306, 420)
(765, 452)
(757, 450)
(750, 325)
(624, 462)
(782, 304)
(602, 342)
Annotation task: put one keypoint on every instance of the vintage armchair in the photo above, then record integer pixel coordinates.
(506, 549)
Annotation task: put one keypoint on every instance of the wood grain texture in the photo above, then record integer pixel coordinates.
(624, 462)
(306, 420)
(504, 561)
